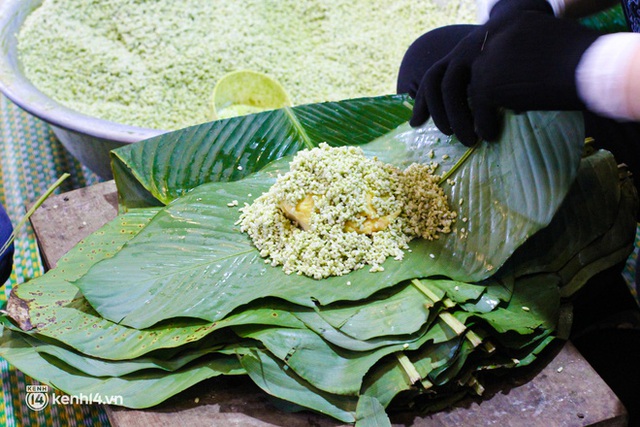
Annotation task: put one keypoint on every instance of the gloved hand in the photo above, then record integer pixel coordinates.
(428, 49)
(6, 258)
(440, 45)
(503, 9)
(521, 59)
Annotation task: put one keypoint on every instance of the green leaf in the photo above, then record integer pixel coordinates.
(335, 336)
(104, 368)
(47, 305)
(611, 248)
(162, 168)
(535, 304)
(134, 389)
(506, 191)
(460, 292)
(589, 209)
(54, 309)
(386, 380)
(194, 241)
(275, 379)
(325, 367)
(382, 315)
(447, 372)
(593, 230)
(370, 413)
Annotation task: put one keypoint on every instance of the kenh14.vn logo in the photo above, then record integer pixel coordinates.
(37, 397)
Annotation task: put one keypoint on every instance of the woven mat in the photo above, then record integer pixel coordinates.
(31, 159)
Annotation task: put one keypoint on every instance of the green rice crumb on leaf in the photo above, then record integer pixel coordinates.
(337, 211)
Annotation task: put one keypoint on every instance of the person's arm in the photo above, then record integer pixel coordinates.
(561, 8)
(605, 75)
(608, 76)
(633, 85)
(524, 58)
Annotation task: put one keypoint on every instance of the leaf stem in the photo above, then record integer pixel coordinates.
(473, 338)
(30, 212)
(477, 387)
(457, 326)
(408, 367)
(298, 126)
(459, 163)
(422, 287)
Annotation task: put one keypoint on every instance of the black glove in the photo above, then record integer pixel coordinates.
(6, 258)
(504, 9)
(440, 45)
(520, 59)
(428, 49)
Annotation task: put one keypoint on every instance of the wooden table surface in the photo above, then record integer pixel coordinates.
(563, 390)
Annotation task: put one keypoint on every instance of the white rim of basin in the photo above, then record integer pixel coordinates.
(15, 86)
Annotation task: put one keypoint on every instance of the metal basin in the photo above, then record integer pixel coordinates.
(87, 138)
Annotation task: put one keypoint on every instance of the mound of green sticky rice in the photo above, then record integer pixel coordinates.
(337, 210)
(154, 63)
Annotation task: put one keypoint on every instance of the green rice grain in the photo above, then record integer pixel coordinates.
(347, 188)
(154, 63)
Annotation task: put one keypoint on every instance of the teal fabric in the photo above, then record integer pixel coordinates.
(31, 159)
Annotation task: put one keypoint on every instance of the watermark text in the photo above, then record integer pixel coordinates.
(38, 397)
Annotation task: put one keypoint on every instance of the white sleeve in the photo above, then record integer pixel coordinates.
(603, 72)
(483, 8)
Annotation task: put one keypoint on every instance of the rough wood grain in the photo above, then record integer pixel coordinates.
(564, 390)
(65, 219)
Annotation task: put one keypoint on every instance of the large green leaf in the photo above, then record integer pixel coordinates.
(48, 305)
(384, 314)
(134, 389)
(168, 296)
(535, 304)
(271, 376)
(531, 310)
(386, 381)
(609, 249)
(104, 368)
(334, 336)
(162, 168)
(52, 311)
(370, 413)
(194, 240)
(588, 211)
(506, 191)
(594, 229)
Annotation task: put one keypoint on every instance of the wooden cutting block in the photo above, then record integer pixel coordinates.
(562, 390)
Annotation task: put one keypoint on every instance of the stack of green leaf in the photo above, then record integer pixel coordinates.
(171, 292)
